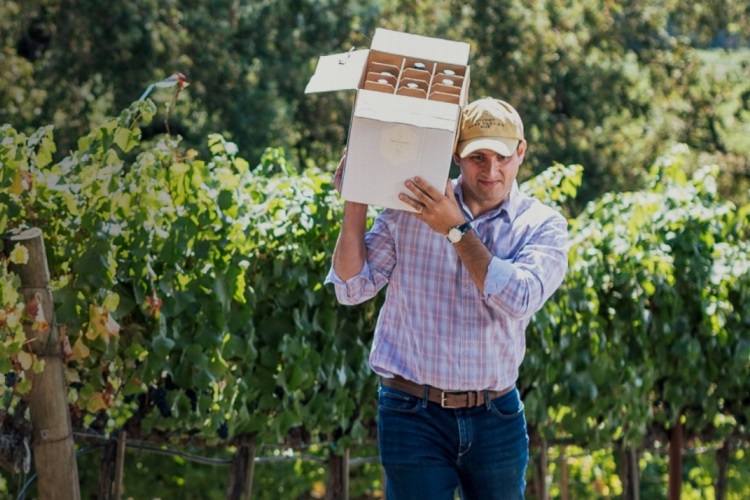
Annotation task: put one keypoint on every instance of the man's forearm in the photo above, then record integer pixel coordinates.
(350, 252)
(475, 257)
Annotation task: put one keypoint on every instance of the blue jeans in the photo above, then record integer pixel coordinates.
(429, 452)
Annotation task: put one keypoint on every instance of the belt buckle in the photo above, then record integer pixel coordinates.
(443, 403)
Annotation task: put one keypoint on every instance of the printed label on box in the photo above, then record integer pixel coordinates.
(399, 145)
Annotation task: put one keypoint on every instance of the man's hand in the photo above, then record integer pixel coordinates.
(438, 210)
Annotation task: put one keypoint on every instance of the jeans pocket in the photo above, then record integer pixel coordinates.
(508, 406)
(397, 401)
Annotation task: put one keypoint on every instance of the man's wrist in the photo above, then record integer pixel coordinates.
(456, 233)
(354, 207)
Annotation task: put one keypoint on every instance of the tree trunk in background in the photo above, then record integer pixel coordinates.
(54, 454)
(675, 460)
(241, 474)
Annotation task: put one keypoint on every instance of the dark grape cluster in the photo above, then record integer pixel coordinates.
(10, 379)
(223, 430)
(193, 397)
(159, 396)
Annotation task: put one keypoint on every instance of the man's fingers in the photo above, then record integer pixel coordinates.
(411, 201)
(422, 189)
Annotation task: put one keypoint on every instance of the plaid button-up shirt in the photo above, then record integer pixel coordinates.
(435, 327)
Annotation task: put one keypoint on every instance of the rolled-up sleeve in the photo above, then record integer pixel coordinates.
(376, 271)
(521, 286)
(356, 289)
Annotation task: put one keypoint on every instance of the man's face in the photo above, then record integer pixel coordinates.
(487, 177)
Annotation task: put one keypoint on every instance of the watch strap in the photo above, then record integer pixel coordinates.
(460, 229)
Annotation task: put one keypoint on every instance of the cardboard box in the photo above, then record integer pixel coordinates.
(410, 92)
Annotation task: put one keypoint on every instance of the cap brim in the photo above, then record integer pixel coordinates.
(505, 147)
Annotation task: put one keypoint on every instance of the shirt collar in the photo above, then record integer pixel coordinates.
(509, 208)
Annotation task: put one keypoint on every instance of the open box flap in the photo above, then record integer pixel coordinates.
(338, 72)
(407, 110)
(421, 47)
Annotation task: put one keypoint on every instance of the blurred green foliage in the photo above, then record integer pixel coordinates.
(201, 281)
(652, 322)
(610, 85)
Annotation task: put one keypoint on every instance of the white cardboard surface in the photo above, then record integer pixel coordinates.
(420, 47)
(407, 110)
(383, 154)
(338, 72)
(392, 137)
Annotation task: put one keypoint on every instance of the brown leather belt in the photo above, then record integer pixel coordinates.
(446, 399)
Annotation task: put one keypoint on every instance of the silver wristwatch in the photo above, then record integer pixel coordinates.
(457, 232)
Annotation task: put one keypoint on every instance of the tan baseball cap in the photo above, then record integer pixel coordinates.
(489, 124)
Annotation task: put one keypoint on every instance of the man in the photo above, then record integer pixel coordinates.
(465, 273)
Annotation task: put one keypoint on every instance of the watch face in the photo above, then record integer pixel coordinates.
(454, 235)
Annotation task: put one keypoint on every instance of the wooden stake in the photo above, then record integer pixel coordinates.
(722, 465)
(541, 472)
(635, 474)
(243, 466)
(122, 439)
(675, 461)
(338, 476)
(564, 475)
(54, 455)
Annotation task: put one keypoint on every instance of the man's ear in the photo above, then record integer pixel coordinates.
(456, 159)
(522, 148)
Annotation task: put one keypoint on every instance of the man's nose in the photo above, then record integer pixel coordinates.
(496, 162)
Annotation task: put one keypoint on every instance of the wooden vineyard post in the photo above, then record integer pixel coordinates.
(722, 465)
(540, 472)
(675, 461)
(54, 455)
(564, 474)
(338, 476)
(628, 471)
(120, 464)
(635, 474)
(112, 467)
(243, 465)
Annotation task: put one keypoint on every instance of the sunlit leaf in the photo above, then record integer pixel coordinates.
(25, 359)
(19, 254)
(80, 350)
(101, 324)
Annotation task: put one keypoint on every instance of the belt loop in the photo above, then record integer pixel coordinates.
(486, 398)
(425, 396)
